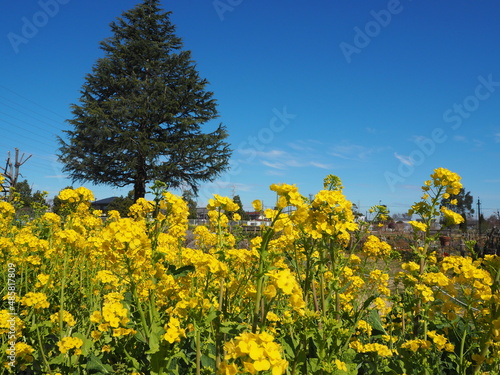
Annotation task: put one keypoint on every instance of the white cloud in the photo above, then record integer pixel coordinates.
(320, 165)
(351, 151)
(275, 165)
(478, 144)
(459, 138)
(301, 153)
(228, 185)
(262, 154)
(403, 159)
(274, 172)
(57, 176)
(309, 145)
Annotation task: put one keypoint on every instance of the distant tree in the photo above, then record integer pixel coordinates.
(141, 110)
(243, 214)
(122, 204)
(464, 204)
(483, 224)
(356, 211)
(27, 199)
(23, 189)
(494, 219)
(402, 217)
(57, 203)
(189, 198)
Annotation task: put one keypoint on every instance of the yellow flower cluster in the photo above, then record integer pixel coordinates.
(425, 292)
(257, 205)
(288, 195)
(224, 203)
(467, 274)
(6, 209)
(374, 247)
(416, 344)
(37, 300)
(418, 225)
(68, 343)
(331, 215)
(256, 352)
(364, 326)
(66, 316)
(107, 277)
(24, 352)
(6, 323)
(286, 282)
(444, 178)
(173, 331)
(141, 208)
(451, 216)
(380, 280)
(80, 194)
(380, 349)
(114, 315)
(441, 342)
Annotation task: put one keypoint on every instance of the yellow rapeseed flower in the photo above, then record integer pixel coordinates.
(68, 343)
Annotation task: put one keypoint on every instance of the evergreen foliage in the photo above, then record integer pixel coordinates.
(141, 109)
(463, 206)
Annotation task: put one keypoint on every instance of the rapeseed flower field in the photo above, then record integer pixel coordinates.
(310, 295)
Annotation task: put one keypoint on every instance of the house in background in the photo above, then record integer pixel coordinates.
(102, 204)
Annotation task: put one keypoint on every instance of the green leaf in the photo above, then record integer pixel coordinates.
(289, 346)
(208, 362)
(212, 314)
(87, 343)
(375, 322)
(181, 271)
(154, 338)
(94, 365)
(58, 359)
(154, 344)
(140, 337)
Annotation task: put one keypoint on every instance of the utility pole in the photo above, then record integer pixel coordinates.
(11, 172)
(479, 216)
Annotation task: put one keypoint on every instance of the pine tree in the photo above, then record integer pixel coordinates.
(141, 109)
(463, 206)
(241, 211)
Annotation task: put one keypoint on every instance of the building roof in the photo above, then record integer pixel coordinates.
(104, 201)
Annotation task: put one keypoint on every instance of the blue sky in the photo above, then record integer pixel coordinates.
(379, 93)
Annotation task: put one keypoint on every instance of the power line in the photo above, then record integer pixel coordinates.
(24, 128)
(33, 117)
(32, 102)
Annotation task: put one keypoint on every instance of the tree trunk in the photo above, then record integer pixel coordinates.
(140, 181)
(139, 189)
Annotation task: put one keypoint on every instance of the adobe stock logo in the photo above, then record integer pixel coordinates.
(372, 29)
(250, 148)
(223, 6)
(32, 25)
(455, 115)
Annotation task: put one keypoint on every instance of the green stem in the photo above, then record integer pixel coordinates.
(262, 272)
(462, 369)
(135, 295)
(40, 344)
(141, 313)
(483, 353)
(61, 297)
(198, 350)
(218, 336)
